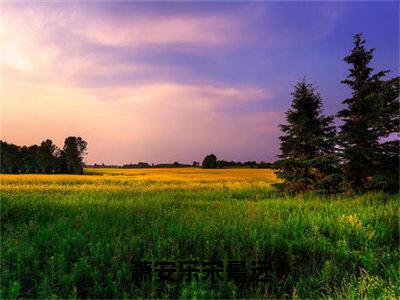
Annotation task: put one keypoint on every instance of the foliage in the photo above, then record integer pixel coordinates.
(209, 162)
(9, 158)
(46, 158)
(371, 113)
(385, 175)
(364, 156)
(74, 150)
(307, 146)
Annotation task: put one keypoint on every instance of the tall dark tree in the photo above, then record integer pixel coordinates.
(209, 162)
(307, 146)
(73, 152)
(370, 114)
(46, 158)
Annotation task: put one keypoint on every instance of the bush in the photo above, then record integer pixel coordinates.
(334, 183)
(384, 183)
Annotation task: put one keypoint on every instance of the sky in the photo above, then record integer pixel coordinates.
(163, 81)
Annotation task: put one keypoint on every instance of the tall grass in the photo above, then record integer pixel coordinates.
(75, 237)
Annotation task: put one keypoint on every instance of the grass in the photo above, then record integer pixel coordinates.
(67, 236)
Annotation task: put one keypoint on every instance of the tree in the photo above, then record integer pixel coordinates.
(264, 165)
(195, 164)
(46, 158)
(209, 162)
(142, 165)
(9, 158)
(28, 159)
(389, 107)
(62, 165)
(386, 171)
(73, 152)
(308, 144)
(368, 116)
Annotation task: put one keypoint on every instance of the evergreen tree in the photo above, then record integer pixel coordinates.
(369, 115)
(389, 100)
(386, 171)
(307, 146)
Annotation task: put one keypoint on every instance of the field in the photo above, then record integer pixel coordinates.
(70, 236)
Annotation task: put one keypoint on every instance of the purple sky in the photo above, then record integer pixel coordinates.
(167, 81)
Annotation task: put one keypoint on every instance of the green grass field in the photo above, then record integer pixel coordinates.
(69, 236)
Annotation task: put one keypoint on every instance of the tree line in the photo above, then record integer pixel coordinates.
(141, 165)
(45, 158)
(211, 162)
(207, 164)
(361, 155)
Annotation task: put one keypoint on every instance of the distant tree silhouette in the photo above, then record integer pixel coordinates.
(62, 165)
(9, 158)
(195, 164)
(46, 157)
(371, 113)
(73, 152)
(143, 165)
(175, 164)
(28, 159)
(209, 162)
(307, 146)
(264, 165)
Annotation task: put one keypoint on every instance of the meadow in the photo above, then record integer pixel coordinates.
(78, 236)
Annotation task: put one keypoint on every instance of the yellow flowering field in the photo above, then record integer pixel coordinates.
(136, 179)
(79, 236)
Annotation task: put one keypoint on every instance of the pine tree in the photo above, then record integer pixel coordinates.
(386, 171)
(308, 144)
(363, 117)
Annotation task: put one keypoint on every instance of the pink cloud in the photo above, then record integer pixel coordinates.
(164, 119)
(204, 30)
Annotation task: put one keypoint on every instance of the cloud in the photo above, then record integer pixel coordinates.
(133, 85)
(161, 30)
(165, 120)
(193, 97)
(78, 45)
(37, 38)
